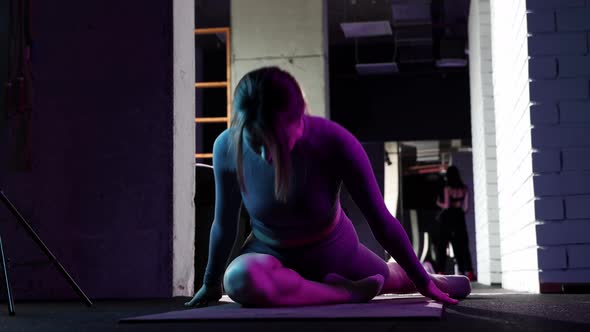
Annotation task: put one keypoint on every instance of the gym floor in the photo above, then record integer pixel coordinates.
(487, 308)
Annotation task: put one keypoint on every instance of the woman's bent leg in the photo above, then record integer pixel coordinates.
(343, 260)
(399, 282)
(261, 280)
(365, 263)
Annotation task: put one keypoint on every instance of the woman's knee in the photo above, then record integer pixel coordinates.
(370, 264)
(248, 279)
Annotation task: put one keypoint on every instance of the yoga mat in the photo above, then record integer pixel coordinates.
(380, 307)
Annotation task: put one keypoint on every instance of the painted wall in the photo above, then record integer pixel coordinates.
(3, 54)
(100, 192)
(288, 34)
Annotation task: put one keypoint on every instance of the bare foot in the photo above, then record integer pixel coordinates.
(457, 286)
(360, 291)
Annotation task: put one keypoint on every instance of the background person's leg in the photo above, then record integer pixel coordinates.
(441, 247)
(460, 244)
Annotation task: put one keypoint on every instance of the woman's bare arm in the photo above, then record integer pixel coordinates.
(445, 203)
(359, 179)
(227, 208)
(466, 201)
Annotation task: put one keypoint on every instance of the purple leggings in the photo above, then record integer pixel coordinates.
(339, 252)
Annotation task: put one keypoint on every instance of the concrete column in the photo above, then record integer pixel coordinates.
(483, 133)
(463, 160)
(391, 177)
(183, 231)
(285, 33)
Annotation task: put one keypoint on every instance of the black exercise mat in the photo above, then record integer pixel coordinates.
(380, 307)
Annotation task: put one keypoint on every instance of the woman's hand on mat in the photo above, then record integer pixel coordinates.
(205, 295)
(433, 292)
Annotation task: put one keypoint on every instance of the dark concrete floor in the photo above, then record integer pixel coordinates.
(488, 308)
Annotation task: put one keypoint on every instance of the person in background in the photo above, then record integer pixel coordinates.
(287, 168)
(455, 203)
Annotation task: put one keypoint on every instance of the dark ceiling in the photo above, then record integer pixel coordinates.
(390, 106)
(423, 31)
(410, 17)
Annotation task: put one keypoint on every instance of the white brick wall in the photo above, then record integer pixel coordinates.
(484, 143)
(510, 74)
(561, 86)
(541, 102)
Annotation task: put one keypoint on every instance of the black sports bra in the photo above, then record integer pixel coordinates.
(457, 199)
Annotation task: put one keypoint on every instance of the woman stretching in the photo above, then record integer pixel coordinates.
(287, 169)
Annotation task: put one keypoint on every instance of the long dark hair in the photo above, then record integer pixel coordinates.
(454, 178)
(259, 97)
